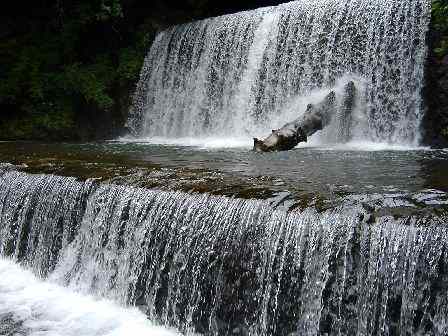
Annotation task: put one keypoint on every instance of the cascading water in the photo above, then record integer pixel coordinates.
(223, 266)
(252, 71)
(31, 307)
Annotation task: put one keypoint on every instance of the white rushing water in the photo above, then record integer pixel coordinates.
(213, 265)
(32, 307)
(241, 75)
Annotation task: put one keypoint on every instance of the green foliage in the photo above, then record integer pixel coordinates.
(130, 62)
(109, 9)
(440, 24)
(445, 133)
(90, 81)
(55, 123)
(69, 64)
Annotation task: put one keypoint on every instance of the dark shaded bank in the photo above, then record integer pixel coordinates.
(435, 123)
(69, 68)
(436, 119)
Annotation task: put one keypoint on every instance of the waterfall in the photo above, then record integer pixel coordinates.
(251, 71)
(223, 266)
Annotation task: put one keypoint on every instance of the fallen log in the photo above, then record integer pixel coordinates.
(315, 119)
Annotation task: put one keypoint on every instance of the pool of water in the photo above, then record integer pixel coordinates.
(307, 170)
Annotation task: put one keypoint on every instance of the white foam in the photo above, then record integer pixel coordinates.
(323, 140)
(46, 309)
(367, 146)
(205, 143)
(233, 142)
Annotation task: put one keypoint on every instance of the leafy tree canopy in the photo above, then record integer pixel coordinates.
(440, 24)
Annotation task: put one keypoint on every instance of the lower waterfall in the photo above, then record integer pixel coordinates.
(223, 266)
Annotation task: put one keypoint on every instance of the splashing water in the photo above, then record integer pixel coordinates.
(32, 307)
(223, 266)
(240, 74)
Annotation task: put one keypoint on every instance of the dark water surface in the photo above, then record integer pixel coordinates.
(316, 171)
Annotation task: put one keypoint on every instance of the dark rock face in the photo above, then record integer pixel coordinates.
(435, 122)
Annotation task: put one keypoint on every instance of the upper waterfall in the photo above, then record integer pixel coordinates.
(251, 71)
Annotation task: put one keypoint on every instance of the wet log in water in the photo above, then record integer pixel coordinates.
(316, 118)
